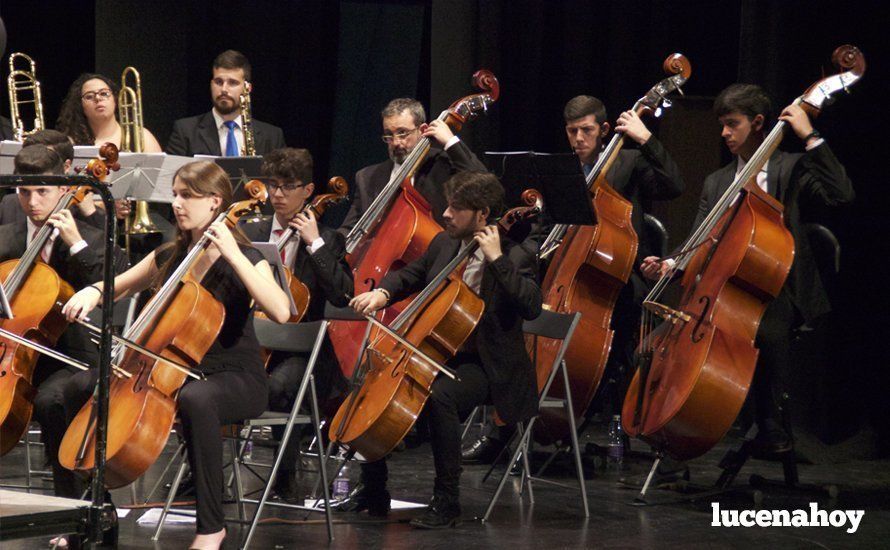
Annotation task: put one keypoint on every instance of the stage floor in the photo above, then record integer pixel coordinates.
(556, 519)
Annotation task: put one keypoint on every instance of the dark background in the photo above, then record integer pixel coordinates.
(323, 70)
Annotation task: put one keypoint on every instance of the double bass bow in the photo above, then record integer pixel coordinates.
(179, 324)
(398, 225)
(590, 266)
(34, 290)
(695, 368)
(394, 383)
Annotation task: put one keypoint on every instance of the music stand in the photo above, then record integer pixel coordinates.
(557, 176)
(146, 176)
(8, 150)
(270, 253)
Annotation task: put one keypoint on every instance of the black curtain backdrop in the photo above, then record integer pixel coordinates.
(323, 70)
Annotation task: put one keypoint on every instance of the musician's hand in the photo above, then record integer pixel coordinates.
(438, 131)
(81, 304)
(630, 124)
(489, 242)
(87, 206)
(367, 303)
(798, 120)
(121, 208)
(222, 238)
(63, 220)
(654, 268)
(305, 224)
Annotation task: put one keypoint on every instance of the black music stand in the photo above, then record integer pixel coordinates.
(557, 176)
(240, 171)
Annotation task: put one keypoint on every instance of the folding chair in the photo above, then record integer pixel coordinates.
(558, 326)
(291, 337)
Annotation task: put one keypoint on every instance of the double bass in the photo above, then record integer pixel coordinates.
(397, 377)
(696, 367)
(35, 290)
(179, 324)
(590, 266)
(398, 225)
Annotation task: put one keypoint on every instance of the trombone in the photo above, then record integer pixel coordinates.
(129, 106)
(24, 89)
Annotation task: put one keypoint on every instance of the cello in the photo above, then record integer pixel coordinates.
(179, 323)
(398, 225)
(590, 266)
(396, 378)
(696, 367)
(319, 204)
(34, 290)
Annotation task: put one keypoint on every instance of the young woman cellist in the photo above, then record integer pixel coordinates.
(234, 387)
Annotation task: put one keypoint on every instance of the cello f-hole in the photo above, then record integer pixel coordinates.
(696, 335)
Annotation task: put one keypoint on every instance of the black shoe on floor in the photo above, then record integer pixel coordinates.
(287, 488)
(483, 451)
(771, 440)
(375, 501)
(442, 513)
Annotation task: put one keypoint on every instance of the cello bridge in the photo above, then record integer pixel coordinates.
(667, 313)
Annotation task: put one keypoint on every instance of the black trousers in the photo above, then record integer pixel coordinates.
(204, 407)
(450, 401)
(774, 342)
(53, 415)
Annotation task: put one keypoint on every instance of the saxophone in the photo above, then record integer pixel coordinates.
(247, 123)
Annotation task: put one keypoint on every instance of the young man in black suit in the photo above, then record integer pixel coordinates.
(316, 256)
(493, 366)
(75, 252)
(640, 175)
(803, 183)
(220, 132)
(11, 211)
(404, 123)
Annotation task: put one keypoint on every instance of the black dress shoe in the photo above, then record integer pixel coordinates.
(375, 501)
(442, 513)
(287, 488)
(771, 440)
(483, 451)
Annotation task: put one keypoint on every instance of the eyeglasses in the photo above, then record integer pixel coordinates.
(283, 187)
(401, 136)
(100, 94)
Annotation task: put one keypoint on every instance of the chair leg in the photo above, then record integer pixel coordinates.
(322, 460)
(576, 451)
(270, 481)
(239, 483)
(469, 423)
(173, 488)
(180, 452)
(526, 469)
(28, 457)
(497, 493)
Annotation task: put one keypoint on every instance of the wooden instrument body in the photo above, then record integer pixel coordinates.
(142, 408)
(402, 237)
(379, 414)
(587, 273)
(37, 317)
(702, 369)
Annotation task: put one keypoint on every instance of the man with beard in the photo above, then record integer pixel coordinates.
(220, 131)
(404, 123)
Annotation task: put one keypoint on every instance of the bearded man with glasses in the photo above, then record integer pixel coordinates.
(404, 124)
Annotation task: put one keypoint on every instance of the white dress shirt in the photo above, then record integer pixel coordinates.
(224, 132)
(473, 271)
(48, 247)
(290, 249)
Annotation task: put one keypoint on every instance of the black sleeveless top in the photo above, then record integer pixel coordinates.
(236, 348)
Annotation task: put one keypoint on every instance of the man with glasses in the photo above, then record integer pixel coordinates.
(220, 132)
(404, 123)
(316, 256)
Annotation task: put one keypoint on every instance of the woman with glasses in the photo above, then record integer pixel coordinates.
(89, 114)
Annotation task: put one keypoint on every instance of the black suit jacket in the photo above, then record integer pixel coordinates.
(11, 212)
(433, 173)
(198, 135)
(804, 183)
(6, 129)
(79, 270)
(511, 295)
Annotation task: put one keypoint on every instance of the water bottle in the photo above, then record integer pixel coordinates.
(341, 484)
(248, 445)
(615, 450)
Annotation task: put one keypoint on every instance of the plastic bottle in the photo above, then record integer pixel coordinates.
(615, 450)
(341, 484)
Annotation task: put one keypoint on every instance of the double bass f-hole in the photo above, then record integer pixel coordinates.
(696, 335)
